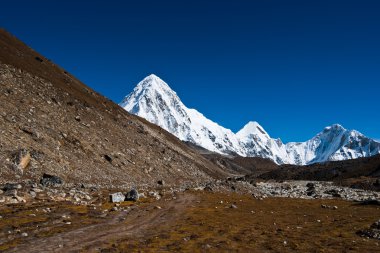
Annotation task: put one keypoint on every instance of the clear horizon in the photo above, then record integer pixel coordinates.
(293, 67)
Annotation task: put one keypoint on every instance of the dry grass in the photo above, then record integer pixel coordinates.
(275, 225)
(206, 223)
(33, 220)
(39, 224)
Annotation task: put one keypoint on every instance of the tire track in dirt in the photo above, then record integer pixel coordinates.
(135, 223)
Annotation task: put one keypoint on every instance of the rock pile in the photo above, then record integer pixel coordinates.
(311, 190)
(29, 191)
(50, 180)
(117, 197)
(372, 232)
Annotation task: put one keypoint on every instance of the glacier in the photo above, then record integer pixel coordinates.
(155, 101)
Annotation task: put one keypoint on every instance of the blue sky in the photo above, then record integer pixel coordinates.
(293, 66)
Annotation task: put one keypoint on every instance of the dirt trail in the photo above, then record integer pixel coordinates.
(133, 223)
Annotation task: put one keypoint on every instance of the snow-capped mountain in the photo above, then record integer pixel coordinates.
(334, 143)
(155, 101)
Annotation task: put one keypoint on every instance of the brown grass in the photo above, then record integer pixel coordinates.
(275, 225)
(204, 223)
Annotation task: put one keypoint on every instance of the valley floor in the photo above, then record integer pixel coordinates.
(192, 221)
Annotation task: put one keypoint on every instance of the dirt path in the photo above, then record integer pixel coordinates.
(133, 223)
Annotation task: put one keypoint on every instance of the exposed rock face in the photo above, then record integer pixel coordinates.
(67, 129)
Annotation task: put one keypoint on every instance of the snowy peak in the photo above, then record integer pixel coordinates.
(252, 128)
(337, 143)
(153, 77)
(153, 96)
(155, 101)
(334, 129)
(150, 87)
(331, 133)
(153, 82)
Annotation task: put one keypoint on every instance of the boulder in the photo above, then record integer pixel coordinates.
(208, 188)
(372, 232)
(50, 180)
(11, 186)
(155, 195)
(20, 199)
(329, 207)
(133, 195)
(310, 192)
(108, 158)
(117, 197)
(11, 193)
(333, 192)
(310, 189)
(376, 225)
(33, 194)
(21, 159)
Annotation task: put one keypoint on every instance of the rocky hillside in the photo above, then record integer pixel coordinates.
(52, 123)
(368, 167)
(243, 165)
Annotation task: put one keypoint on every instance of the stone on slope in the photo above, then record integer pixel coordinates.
(132, 195)
(117, 197)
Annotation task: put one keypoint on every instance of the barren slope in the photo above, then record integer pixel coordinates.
(73, 132)
(368, 167)
(360, 173)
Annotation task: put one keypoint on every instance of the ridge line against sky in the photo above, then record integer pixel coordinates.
(235, 132)
(293, 66)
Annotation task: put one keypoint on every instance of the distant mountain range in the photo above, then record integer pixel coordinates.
(155, 101)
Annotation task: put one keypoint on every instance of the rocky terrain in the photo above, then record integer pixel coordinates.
(361, 173)
(193, 220)
(80, 174)
(369, 167)
(52, 123)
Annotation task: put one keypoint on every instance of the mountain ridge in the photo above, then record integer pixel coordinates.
(154, 100)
